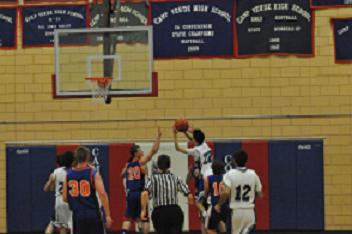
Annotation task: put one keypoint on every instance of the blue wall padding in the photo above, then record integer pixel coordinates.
(226, 149)
(310, 191)
(18, 188)
(102, 152)
(282, 177)
(43, 161)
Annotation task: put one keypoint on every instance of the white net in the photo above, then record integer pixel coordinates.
(100, 87)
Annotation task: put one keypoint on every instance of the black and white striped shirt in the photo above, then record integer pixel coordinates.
(163, 189)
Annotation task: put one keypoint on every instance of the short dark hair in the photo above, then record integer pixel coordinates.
(133, 150)
(198, 136)
(217, 167)
(67, 159)
(164, 162)
(240, 157)
(82, 154)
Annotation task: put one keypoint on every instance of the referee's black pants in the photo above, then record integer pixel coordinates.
(168, 219)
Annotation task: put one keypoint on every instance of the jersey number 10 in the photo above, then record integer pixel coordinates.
(134, 173)
(217, 188)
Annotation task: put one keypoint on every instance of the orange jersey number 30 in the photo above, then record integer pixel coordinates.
(82, 188)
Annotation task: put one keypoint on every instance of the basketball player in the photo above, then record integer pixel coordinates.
(135, 184)
(201, 152)
(63, 215)
(212, 187)
(202, 155)
(243, 185)
(81, 185)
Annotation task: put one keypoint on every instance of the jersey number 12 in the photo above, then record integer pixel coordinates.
(242, 192)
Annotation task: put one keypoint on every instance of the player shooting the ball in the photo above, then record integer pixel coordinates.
(201, 153)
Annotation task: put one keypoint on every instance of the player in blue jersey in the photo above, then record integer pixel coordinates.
(81, 186)
(215, 222)
(135, 181)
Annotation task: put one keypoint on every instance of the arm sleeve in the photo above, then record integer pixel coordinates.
(226, 180)
(182, 186)
(258, 184)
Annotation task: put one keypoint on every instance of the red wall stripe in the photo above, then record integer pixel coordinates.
(258, 160)
(118, 157)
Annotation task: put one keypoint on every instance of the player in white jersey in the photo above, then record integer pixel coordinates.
(203, 157)
(201, 152)
(63, 215)
(242, 185)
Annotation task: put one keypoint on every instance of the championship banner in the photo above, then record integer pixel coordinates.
(330, 3)
(192, 29)
(39, 22)
(342, 38)
(8, 25)
(282, 27)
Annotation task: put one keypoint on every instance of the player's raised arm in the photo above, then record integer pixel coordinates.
(177, 146)
(144, 160)
(99, 186)
(189, 137)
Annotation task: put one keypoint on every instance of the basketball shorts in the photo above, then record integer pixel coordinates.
(63, 214)
(88, 222)
(214, 218)
(133, 207)
(243, 221)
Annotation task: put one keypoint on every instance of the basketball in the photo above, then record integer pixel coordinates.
(181, 125)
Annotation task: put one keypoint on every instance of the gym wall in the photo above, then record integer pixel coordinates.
(218, 95)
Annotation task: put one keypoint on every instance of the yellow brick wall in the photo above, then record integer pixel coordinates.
(210, 90)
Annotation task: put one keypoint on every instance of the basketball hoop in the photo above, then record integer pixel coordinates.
(100, 87)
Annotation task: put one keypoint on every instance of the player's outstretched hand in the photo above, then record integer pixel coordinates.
(217, 208)
(109, 222)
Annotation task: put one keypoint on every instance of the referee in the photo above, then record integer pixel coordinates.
(167, 216)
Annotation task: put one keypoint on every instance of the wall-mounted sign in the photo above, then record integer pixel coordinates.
(265, 27)
(8, 25)
(192, 28)
(343, 38)
(39, 22)
(330, 3)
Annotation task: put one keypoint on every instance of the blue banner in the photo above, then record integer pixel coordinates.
(266, 27)
(192, 29)
(40, 22)
(343, 38)
(8, 24)
(330, 3)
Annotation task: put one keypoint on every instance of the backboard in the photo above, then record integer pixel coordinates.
(125, 54)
